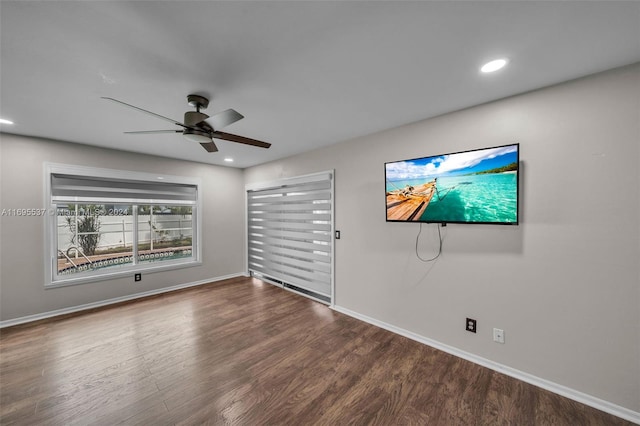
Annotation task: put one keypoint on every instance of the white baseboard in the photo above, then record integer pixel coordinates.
(592, 401)
(72, 309)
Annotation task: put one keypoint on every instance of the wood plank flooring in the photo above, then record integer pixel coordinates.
(242, 352)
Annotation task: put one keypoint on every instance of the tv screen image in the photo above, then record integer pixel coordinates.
(477, 186)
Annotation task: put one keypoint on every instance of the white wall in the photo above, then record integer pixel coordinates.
(564, 285)
(22, 244)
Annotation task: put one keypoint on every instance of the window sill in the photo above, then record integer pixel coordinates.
(129, 272)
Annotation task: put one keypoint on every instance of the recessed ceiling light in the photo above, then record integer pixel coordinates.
(228, 160)
(494, 65)
(5, 121)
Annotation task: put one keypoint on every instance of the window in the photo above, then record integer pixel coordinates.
(106, 223)
(164, 233)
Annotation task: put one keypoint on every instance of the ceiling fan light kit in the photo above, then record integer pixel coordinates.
(195, 135)
(199, 127)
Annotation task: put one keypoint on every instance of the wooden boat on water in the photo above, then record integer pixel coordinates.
(409, 203)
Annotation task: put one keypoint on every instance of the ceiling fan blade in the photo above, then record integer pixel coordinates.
(148, 132)
(147, 112)
(210, 146)
(224, 118)
(240, 139)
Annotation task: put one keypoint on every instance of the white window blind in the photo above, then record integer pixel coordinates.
(67, 188)
(290, 234)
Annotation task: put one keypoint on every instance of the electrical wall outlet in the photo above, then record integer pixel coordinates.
(137, 277)
(471, 325)
(498, 335)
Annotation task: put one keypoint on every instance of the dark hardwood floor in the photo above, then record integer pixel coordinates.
(241, 352)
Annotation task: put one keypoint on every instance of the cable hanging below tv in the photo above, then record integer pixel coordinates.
(478, 187)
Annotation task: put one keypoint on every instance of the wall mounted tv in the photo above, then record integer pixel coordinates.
(478, 186)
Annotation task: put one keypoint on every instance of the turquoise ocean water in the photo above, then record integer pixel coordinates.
(474, 198)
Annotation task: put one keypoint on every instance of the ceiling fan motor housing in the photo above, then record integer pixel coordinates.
(195, 119)
(198, 131)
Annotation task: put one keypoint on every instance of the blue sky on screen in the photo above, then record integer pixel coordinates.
(452, 164)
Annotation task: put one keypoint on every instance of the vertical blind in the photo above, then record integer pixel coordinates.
(290, 233)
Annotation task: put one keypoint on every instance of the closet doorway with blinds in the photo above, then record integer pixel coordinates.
(290, 231)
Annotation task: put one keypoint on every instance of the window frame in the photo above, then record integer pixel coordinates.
(53, 280)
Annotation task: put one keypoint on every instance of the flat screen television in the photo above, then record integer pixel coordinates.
(478, 186)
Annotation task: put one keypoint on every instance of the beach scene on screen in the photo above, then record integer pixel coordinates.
(476, 186)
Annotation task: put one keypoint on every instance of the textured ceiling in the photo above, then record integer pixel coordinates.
(304, 74)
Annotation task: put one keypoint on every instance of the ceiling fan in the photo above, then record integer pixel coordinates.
(199, 127)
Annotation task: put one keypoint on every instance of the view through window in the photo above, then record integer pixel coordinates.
(99, 236)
